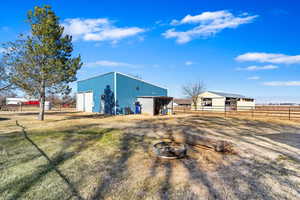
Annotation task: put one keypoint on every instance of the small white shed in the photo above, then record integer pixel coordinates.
(220, 101)
(15, 101)
(156, 105)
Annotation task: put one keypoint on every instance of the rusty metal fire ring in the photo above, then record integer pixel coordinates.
(169, 150)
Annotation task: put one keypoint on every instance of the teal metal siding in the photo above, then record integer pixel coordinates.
(96, 85)
(128, 89)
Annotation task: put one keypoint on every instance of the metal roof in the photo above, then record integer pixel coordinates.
(132, 77)
(183, 101)
(96, 76)
(223, 94)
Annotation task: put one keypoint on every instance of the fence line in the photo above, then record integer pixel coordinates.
(26, 107)
(280, 112)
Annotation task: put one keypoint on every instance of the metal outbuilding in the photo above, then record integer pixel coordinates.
(220, 101)
(114, 93)
(183, 102)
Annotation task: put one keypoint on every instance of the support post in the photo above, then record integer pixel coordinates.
(289, 113)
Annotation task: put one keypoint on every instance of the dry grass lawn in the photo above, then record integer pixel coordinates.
(83, 156)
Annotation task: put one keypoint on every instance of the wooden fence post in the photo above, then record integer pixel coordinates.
(252, 112)
(289, 113)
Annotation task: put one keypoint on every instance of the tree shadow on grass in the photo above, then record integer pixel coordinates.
(118, 167)
(4, 118)
(166, 185)
(200, 177)
(52, 165)
(89, 116)
(242, 130)
(291, 139)
(85, 116)
(256, 171)
(254, 168)
(24, 184)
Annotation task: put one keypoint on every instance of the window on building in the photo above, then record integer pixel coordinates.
(231, 101)
(248, 100)
(207, 101)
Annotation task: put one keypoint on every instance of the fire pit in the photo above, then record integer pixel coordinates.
(169, 150)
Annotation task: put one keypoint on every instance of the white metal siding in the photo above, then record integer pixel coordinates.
(88, 102)
(245, 105)
(80, 101)
(147, 105)
(218, 104)
(84, 102)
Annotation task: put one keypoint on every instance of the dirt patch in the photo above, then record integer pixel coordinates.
(109, 158)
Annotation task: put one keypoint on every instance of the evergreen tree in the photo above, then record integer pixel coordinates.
(42, 62)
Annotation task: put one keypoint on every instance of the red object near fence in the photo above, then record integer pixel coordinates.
(31, 103)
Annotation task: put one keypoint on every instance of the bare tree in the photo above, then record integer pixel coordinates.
(69, 100)
(192, 91)
(55, 99)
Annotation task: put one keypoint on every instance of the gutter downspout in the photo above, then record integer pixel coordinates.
(115, 91)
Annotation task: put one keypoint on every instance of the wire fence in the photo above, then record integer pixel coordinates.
(34, 108)
(278, 112)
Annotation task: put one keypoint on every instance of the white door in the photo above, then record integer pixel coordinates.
(80, 101)
(88, 102)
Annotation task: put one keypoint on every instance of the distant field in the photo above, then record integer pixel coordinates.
(75, 155)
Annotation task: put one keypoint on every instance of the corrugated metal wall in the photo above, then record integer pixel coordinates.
(128, 89)
(147, 105)
(96, 85)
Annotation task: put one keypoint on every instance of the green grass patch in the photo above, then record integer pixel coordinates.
(25, 173)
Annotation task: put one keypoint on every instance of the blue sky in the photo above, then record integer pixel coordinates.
(246, 47)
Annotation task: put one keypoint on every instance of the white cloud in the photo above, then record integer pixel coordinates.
(107, 63)
(101, 29)
(161, 23)
(205, 16)
(2, 50)
(269, 58)
(188, 63)
(282, 83)
(257, 68)
(207, 24)
(253, 78)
